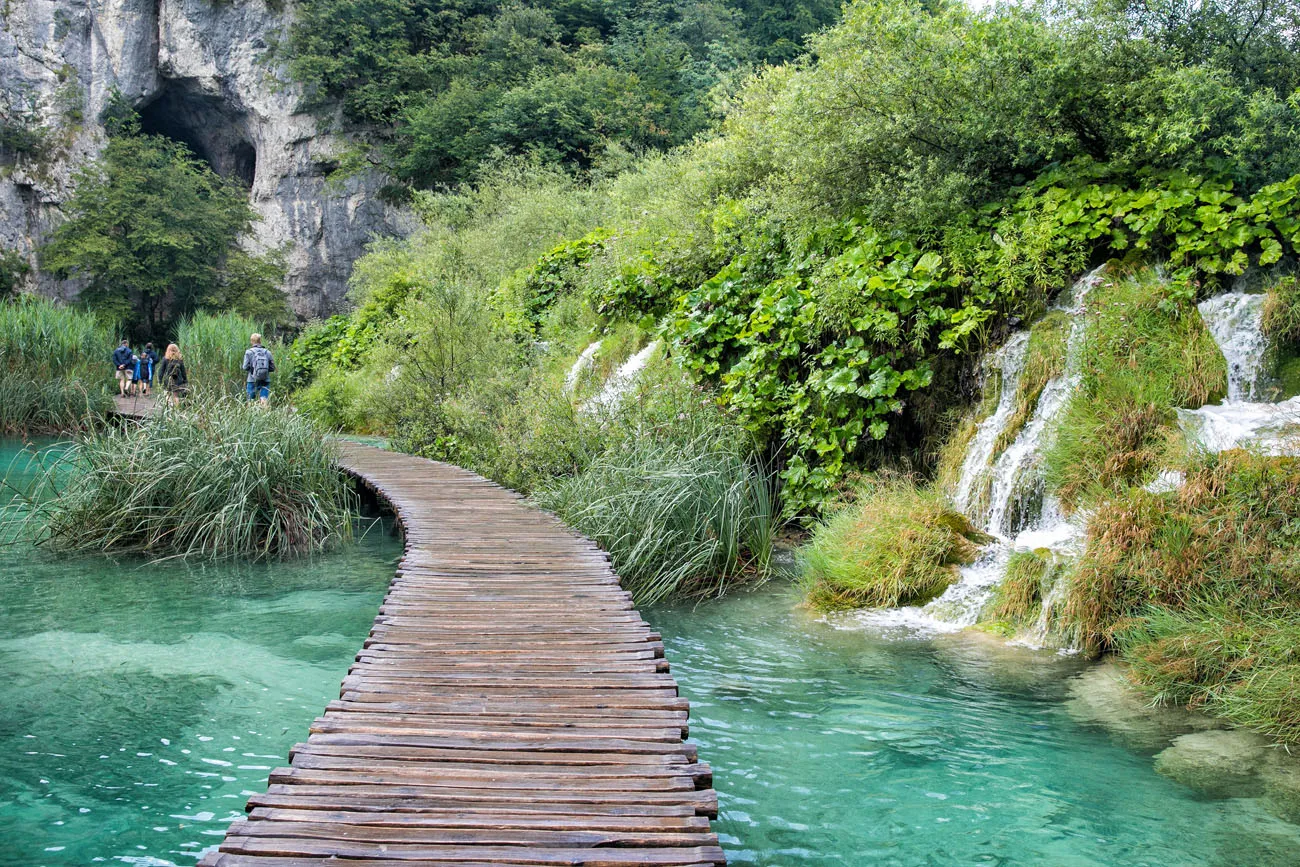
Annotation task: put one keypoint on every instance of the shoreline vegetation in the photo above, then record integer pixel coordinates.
(210, 481)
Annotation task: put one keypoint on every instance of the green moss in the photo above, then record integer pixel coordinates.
(1281, 325)
(896, 544)
(1146, 353)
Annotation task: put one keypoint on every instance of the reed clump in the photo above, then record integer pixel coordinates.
(221, 480)
(679, 517)
(54, 370)
(895, 544)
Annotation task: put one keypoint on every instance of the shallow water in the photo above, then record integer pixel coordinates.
(140, 705)
(840, 746)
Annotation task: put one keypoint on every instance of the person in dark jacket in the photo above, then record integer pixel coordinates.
(122, 366)
(172, 375)
(149, 365)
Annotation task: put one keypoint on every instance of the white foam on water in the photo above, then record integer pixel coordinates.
(1235, 321)
(618, 385)
(581, 366)
(1272, 428)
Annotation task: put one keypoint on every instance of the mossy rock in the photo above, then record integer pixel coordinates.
(1103, 697)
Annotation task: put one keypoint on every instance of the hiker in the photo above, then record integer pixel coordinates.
(148, 365)
(122, 366)
(171, 374)
(135, 374)
(259, 364)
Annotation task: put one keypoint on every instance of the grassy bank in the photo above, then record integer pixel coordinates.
(894, 544)
(217, 480)
(54, 370)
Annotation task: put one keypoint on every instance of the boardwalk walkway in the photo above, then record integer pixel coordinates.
(510, 707)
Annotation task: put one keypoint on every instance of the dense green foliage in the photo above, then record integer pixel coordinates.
(455, 82)
(54, 367)
(13, 269)
(895, 544)
(220, 480)
(155, 233)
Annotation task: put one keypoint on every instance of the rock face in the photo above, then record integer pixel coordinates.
(202, 72)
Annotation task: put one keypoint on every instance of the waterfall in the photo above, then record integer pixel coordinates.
(581, 366)
(1235, 320)
(1020, 514)
(622, 381)
(1009, 360)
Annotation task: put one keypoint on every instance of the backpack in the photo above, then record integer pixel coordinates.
(262, 365)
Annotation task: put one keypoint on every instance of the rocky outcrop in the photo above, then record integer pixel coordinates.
(203, 72)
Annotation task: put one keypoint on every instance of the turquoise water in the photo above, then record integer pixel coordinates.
(835, 746)
(141, 704)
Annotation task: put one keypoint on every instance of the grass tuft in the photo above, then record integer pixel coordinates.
(225, 480)
(54, 370)
(896, 544)
(679, 518)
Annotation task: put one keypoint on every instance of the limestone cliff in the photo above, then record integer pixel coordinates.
(200, 71)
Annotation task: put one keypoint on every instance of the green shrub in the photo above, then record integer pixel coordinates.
(334, 401)
(1145, 353)
(678, 518)
(54, 368)
(895, 544)
(222, 480)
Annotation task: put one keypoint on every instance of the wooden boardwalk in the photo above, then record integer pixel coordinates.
(510, 707)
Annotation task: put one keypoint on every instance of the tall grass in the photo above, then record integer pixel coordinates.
(678, 518)
(1241, 665)
(54, 368)
(213, 345)
(895, 544)
(224, 480)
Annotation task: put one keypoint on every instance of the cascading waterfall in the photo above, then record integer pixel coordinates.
(581, 366)
(1004, 494)
(1017, 512)
(1235, 320)
(622, 381)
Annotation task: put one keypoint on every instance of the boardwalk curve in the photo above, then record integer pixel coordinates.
(510, 707)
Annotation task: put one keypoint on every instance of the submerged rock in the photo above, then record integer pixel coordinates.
(1103, 697)
(1221, 764)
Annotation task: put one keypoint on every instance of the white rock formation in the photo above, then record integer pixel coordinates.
(199, 71)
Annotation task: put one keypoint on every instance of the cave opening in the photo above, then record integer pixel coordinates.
(210, 126)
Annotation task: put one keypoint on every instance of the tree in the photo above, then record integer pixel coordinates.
(155, 233)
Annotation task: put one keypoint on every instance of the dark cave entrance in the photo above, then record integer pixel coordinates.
(214, 129)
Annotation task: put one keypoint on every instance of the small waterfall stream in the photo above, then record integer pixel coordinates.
(1235, 320)
(621, 382)
(1018, 512)
(581, 366)
(1005, 494)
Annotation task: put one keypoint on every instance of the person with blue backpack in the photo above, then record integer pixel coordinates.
(259, 365)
